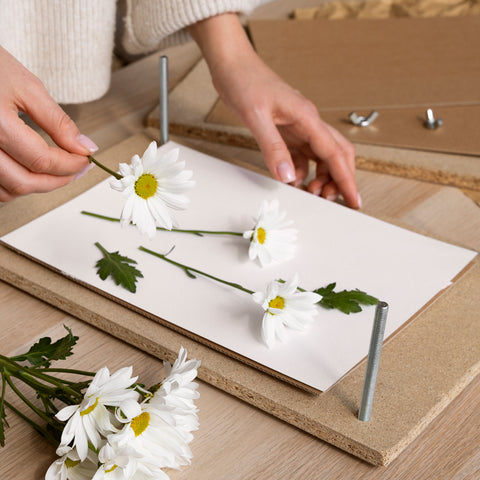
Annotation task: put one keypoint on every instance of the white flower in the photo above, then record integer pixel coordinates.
(270, 240)
(285, 306)
(70, 467)
(90, 419)
(151, 185)
(178, 391)
(153, 435)
(120, 463)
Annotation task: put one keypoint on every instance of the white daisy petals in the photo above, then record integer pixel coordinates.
(285, 306)
(134, 441)
(152, 186)
(87, 421)
(270, 240)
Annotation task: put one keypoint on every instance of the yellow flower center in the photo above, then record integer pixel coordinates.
(277, 302)
(69, 463)
(111, 469)
(90, 409)
(140, 423)
(146, 185)
(261, 235)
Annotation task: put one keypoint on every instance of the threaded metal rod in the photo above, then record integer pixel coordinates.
(373, 361)
(163, 117)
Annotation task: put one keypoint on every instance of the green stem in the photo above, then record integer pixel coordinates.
(103, 167)
(200, 233)
(38, 428)
(29, 376)
(188, 270)
(100, 247)
(27, 402)
(69, 370)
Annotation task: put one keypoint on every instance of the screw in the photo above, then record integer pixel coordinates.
(431, 122)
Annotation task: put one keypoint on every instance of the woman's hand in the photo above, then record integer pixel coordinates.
(27, 163)
(286, 126)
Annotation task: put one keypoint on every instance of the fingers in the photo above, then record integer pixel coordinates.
(345, 145)
(16, 180)
(50, 117)
(275, 152)
(27, 163)
(301, 167)
(338, 155)
(24, 145)
(317, 185)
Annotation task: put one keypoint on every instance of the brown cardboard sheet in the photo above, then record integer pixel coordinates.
(361, 64)
(424, 366)
(398, 66)
(189, 118)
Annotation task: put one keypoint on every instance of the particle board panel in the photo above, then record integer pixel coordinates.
(424, 366)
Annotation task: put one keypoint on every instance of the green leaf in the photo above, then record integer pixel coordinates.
(44, 351)
(347, 301)
(119, 268)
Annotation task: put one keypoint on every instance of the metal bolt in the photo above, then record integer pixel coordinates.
(361, 121)
(431, 122)
(373, 361)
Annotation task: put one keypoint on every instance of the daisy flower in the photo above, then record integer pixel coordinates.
(90, 419)
(120, 463)
(285, 306)
(270, 240)
(178, 392)
(154, 437)
(151, 186)
(70, 467)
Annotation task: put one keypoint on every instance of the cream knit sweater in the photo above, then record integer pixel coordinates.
(68, 44)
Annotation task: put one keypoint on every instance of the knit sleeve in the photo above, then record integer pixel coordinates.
(67, 44)
(153, 24)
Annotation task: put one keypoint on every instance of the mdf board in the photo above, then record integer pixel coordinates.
(404, 403)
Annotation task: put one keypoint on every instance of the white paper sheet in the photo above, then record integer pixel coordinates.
(335, 244)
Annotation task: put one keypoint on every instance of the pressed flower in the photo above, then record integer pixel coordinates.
(271, 240)
(90, 419)
(70, 467)
(152, 185)
(285, 306)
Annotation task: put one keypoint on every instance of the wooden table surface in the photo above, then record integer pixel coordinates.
(236, 441)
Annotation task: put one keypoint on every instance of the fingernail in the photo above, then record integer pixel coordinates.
(84, 171)
(360, 203)
(286, 172)
(317, 192)
(332, 198)
(87, 143)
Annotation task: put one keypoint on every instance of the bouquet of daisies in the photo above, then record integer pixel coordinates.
(109, 427)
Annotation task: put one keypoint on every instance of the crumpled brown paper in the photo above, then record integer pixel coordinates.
(372, 9)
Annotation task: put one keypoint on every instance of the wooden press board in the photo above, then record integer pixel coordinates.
(331, 416)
